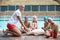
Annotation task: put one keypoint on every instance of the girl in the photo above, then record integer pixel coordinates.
(34, 23)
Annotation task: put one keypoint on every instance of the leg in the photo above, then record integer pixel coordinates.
(47, 33)
(15, 31)
(8, 31)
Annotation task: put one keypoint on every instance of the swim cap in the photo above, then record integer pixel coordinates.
(34, 17)
(26, 17)
(45, 18)
(50, 19)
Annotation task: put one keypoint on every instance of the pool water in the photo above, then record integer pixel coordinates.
(5, 19)
(40, 24)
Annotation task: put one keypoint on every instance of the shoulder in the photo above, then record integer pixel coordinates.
(55, 24)
(17, 11)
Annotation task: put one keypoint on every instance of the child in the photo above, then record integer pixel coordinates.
(54, 29)
(46, 24)
(34, 23)
(35, 30)
(27, 24)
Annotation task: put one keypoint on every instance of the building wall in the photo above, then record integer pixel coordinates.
(39, 10)
(28, 2)
(28, 13)
(57, 1)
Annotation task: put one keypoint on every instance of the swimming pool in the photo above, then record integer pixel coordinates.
(5, 20)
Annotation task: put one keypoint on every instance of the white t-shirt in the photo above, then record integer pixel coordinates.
(14, 19)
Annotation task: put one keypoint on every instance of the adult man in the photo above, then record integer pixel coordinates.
(14, 20)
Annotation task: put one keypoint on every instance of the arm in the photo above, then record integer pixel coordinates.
(20, 20)
(31, 25)
(36, 25)
(44, 27)
(54, 30)
(48, 25)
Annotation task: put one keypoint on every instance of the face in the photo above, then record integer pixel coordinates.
(45, 21)
(34, 19)
(49, 21)
(22, 8)
(26, 19)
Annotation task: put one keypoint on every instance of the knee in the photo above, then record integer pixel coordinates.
(18, 35)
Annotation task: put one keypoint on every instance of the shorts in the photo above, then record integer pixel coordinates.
(10, 26)
(54, 34)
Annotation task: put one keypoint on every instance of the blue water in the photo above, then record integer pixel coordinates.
(40, 24)
(3, 23)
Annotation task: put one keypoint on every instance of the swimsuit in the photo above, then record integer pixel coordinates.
(10, 26)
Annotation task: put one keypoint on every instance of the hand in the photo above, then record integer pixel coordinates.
(27, 30)
(33, 28)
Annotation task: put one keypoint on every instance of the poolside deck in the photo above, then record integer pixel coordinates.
(26, 37)
(29, 13)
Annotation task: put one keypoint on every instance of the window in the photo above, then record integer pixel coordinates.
(3, 8)
(11, 8)
(17, 7)
(0, 8)
(51, 7)
(35, 7)
(27, 8)
(57, 7)
(43, 7)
